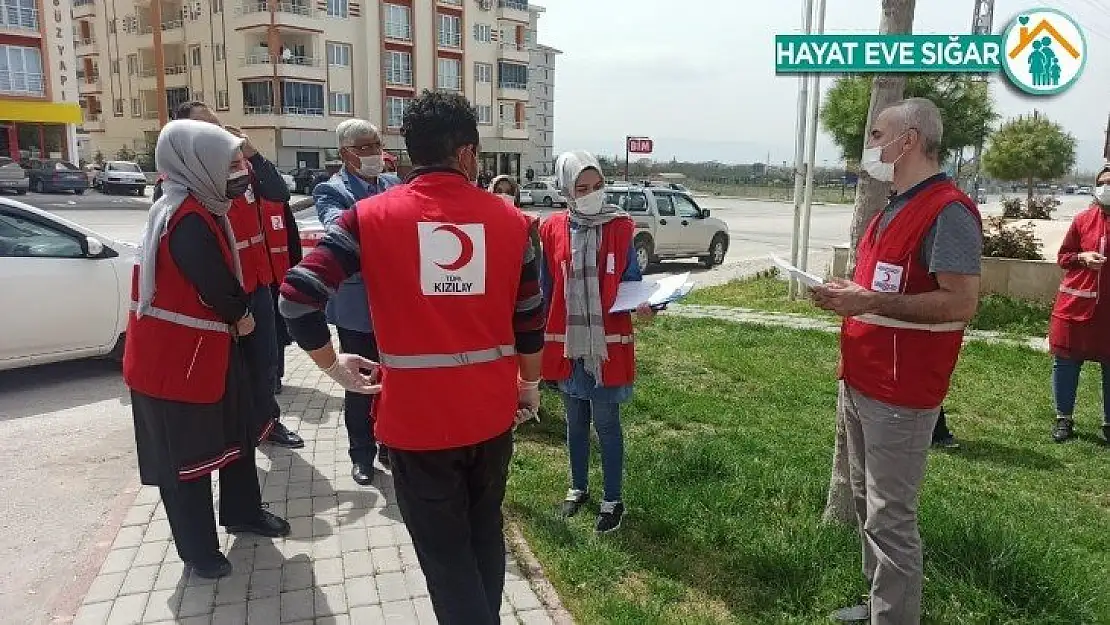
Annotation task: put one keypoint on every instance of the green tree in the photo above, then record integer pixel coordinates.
(125, 154)
(1030, 149)
(965, 106)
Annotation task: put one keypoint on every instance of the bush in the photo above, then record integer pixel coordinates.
(126, 154)
(1012, 208)
(1038, 208)
(1015, 242)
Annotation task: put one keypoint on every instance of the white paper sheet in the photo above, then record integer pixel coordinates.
(656, 293)
(804, 277)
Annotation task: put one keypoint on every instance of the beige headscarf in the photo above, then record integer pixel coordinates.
(195, 157)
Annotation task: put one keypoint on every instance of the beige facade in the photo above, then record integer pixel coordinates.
(289, 71)
(540, 153)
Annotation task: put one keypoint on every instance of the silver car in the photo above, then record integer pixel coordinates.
(541, 193)
(670, 225)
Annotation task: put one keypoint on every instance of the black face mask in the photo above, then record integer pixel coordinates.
(237, 186)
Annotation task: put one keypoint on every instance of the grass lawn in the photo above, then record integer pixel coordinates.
(728, 444)
(765, 292)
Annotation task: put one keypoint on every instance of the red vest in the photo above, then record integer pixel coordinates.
(442, 269)
(897, 362)
(250, 241)
(277, 237)
(178, 350)
(616, 237)
(1079, 288)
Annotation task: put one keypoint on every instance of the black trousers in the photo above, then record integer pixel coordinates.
(282, 331)
(191, 513)
(358, 414)
(261, 350)
(940, 430)
(451, 503)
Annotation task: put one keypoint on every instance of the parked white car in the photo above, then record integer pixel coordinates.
(73, 289)
(670, 225)
(120, 176)
(541, 193)
(289, 182)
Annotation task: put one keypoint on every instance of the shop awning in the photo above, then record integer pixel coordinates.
(40, 112)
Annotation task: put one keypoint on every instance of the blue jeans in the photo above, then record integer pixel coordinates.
(606, 417)
(1065, 382)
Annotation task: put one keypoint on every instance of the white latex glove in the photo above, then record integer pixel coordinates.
(346, 371)
(529, 394)
(524, 415)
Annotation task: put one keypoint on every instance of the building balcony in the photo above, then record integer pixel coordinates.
(514, 51)
(89, 84)
(449, 41)
(449, 83)
(513, 91)
(20, 21)
(256, 14)
(450, 3)
(516, 10)
(514, 130)
(399, 78)
(279, 116)
(308, 67)
(85, 46)
(93, 122)
(175, 76)
(22, 84)
(398, 32)
(84, 8)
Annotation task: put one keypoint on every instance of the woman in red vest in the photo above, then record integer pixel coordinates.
(1080, 327)
(587, 253)
(190, 392)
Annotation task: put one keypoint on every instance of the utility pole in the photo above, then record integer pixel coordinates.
(799, 151)
(982, 23)
(1106, 147)
(811, 152)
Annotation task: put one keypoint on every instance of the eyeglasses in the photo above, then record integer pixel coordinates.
(366, 148)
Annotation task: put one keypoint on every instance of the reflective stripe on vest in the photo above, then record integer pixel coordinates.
(887, 322)
(1077, 293)
(435, 361)
(279, 250)
(623, 339)
(182, 320)
(244, 244)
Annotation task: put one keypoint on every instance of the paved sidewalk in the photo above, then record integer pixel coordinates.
(348, 561)
(803, 322)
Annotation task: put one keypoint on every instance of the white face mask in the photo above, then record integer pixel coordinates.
(872, 162)
(370, 166)
(590, 204)
(1102, 194)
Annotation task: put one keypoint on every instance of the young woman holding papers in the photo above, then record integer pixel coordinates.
(589, 352)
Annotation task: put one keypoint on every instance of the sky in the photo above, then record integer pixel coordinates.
(698, 76)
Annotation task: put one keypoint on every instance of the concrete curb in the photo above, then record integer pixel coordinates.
(532, 569)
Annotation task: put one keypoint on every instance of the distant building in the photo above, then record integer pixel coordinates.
(540, 154)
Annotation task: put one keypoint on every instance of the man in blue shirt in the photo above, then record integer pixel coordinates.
(362, 176)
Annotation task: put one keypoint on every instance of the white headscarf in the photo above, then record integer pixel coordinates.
(195, 157)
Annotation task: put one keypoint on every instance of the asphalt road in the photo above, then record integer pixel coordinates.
(67, 428)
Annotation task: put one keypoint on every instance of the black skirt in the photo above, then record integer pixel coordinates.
(178, 441)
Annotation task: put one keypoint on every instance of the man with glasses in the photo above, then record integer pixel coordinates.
(362, 176)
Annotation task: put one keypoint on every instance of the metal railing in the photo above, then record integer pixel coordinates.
(518, 46)
(457, 3)
(512, 125)
(398, 77)
(268, 109)
(150, 114)
(269, 59)
(450, 40)
(294, 8)
(172, 24)
(86, 41)
(400, 31)
(91, 78)
(92, 118)
(173, 70)
(518, 5)
(21, 83)
(81, 3)
(506, 84)
(449, 83)
(19, 17)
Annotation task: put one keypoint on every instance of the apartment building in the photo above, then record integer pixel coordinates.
(38, 83)
(540, 114)
(289, 71)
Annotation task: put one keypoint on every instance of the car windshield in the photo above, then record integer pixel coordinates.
(63, 166)
(131, 167)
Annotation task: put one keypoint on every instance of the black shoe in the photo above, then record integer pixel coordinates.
(267, 524)
(1064, 430)
(363, 473)
(946, 442)
(1106, 434)
(856, 614)
(574, 501)
(211, 567)
(383, 456)
(284, 437)
(609, 520)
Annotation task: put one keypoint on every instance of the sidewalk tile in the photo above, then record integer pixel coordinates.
(381, 536)
(128, 610)
(386, 559)
(328, 572)
(361, 591)
(341, 619)
(391, 587)
(415, 582)
(129, 537)
(358, 564)
(118, 560)
(268, 557)
(522, 596)
(297, 605)
(353, 539)
(264, 611)
(297, 508)
(197, 600)
(425, 613)
(400, 613)
(232, 589)
(105, 588)
(296, 575)
(265, 584)
(93, 614)
(138, 515)
(535, 617)
(139, 579)
(408, 556)
(150, 553)
(233, 614)
(330, 600)
(170, 575)
(367, 615)
(162, 606)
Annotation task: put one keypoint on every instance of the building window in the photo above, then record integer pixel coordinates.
(194, 55)
(218, 50)
(449, 76)
(258, 98)
(117, 107)
(132, 64)
(512, 75)
(483, 33)
(19, 14)
(398, 68)
(217, 6)
(302, 98)
(483, 72)
(339, 54)
(337, 8)
(222, 101)
(112, 26)
(398, 24)
(485, 114)
(136, 107)
(341, 103)
(395, 111)
(508, 115)
(450, 31)
(115, 66)
(21, 70)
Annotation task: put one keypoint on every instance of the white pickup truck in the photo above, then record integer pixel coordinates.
(670, 225)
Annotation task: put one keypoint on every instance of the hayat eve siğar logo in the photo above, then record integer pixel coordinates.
(1045, 51)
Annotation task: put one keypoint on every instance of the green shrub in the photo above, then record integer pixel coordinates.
(1013, 242)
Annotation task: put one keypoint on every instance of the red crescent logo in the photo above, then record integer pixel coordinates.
(887, 277)
(467, 253)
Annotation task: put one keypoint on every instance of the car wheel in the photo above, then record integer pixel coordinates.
(643, 252)
(21, 191)
(548, 202)
(717, 250)
(116, 355)
(78, 191)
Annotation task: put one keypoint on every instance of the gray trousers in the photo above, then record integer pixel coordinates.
(887, 450)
